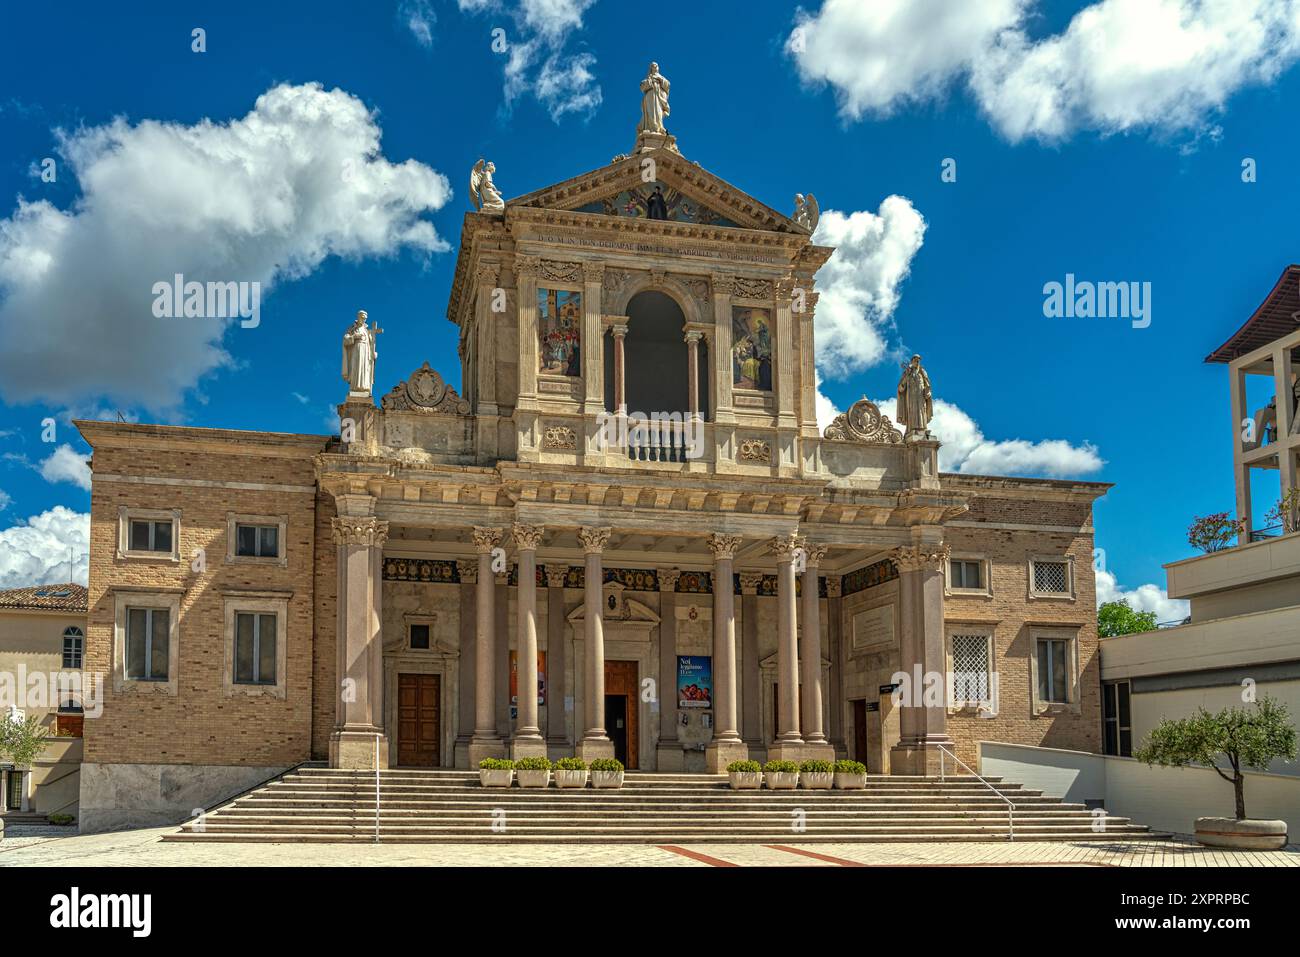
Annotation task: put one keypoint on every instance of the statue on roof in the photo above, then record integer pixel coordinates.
(359, 355)
(915, 400)
(806, 211)
(654, 101)
(482, 191)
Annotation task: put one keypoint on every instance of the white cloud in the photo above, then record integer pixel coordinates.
(419, 18)
(66, 464)
(553, 19)
(860, 283)
(264, 198)
(36, 553)
(1143, 598)
(5, 500)
(1119, 65)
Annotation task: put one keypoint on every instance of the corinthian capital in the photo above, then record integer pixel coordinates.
(527, 265)
(487, 274)
(813, 552)
(556, 575)
(915, 558)
(368, 531)
(528, 537)
(723, 546)
(593, 272)
(785, 546)
(485, 539)
(593, 539)
(750, 582)
(467, 570)
(668, 578)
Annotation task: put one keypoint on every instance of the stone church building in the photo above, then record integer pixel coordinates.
(630, 507)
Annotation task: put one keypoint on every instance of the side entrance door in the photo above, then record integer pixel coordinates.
(418, 725)
(621, 701)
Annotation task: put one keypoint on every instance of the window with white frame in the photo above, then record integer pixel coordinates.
(255, 644)
(148, 640)
(255, 636)
(970, 661)
(1051, 577)
(146, 630)
(148, 533)
(256, 539)
(74, 642)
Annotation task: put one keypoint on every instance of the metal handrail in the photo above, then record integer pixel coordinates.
(1011, 807)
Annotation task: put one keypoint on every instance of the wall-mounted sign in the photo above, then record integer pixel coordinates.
(694, 681)
(873, 628)
(541, 678)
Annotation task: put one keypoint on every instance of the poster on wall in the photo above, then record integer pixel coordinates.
(694, 681)
(514, 678)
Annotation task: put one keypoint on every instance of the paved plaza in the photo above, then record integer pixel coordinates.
(43, 847)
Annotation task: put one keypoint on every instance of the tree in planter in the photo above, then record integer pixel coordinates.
(1250, 737)
(1120, 618)
(1212, 533)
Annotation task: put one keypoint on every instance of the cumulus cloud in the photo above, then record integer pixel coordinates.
(66, 464)
(1143, 598)
(263, 198)
(536, 61)
(1119, 65)
(860, 284)
(36, 552)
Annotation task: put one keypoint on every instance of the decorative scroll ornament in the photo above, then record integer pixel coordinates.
(752, 288)
(368, 531)
(755, 450)
(559, 272)
(914, 558)
(425, 391)
(863, 423)
(560, 438)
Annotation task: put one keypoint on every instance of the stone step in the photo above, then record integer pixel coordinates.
(566, 818)
(730, 838)
(482, 825)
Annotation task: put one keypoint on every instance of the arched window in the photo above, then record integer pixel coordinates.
(73, 645)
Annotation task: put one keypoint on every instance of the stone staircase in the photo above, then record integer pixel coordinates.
(323, 805)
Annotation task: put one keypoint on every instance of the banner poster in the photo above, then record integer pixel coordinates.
(514, 678)
(694, 681)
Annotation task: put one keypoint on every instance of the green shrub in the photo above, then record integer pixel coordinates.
(533, 764)
(496, 764)
(816, 767)
(744, 767)
(61, 819)
(850, 767)
(570, 764)
(607, 764)
(781, 767)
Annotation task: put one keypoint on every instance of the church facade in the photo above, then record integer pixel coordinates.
(630, 509)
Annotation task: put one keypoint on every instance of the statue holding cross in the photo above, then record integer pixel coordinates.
(359, 355)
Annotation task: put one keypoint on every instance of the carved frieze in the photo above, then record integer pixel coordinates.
(745, 288)
(755, 450)
(425, 391)
(559, 438)
(863, 423)
(549, 270)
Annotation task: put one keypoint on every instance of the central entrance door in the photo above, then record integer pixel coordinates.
(418, 724)
(621, 710)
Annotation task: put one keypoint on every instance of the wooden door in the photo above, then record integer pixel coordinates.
(621, 679)
(418, 726)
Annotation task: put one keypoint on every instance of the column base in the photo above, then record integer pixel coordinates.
(355, 748)
(800, 751)
(486, 747)
(670, 757)
(591, 748)
(916, 758)
(532, 746)
(718, 754)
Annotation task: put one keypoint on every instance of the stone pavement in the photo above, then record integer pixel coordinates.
(59, 846)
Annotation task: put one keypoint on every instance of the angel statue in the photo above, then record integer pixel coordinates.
(806, 211)
(915, 400)
(482, 191)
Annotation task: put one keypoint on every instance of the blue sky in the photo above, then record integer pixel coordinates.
(1125, 166)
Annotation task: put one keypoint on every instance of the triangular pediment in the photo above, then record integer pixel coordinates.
(690, 195)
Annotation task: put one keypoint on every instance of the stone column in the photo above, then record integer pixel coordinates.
(595, 743)
(726, 745)
(467, 570)
(528, 740)
(816, 747)
(835, 640)
(486, 742)
(751, 683)
(593, 352)
(923, 718)
(619, 331)
(693, 372)
(789, 742)
(557, 735)
(668, 755)
(360, 541)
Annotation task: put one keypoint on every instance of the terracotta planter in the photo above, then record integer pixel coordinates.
(746, 780)
(606, 779)
(571, 779)
(533, 779)
(817, 780)
(1249, 834)
(781, 780)
(849, 782)
(496, 778)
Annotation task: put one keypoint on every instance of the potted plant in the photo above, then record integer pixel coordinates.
(496, 772)
(571, 773)
(781, 775)
(817, 775)
(533, 772)
(850, 775)
(1244, 736)
(606, 773)
(745, 775)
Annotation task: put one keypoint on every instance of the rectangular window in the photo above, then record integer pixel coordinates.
(257, 541)
(970, 669)
(964, 573)
(149, 535)
(1052, 578)
(1117, 730)
(1053, 670)
(147, 637)
(254, 648)
(419, 636)
(73, 644)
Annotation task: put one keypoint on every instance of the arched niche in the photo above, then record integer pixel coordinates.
(656, 377)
